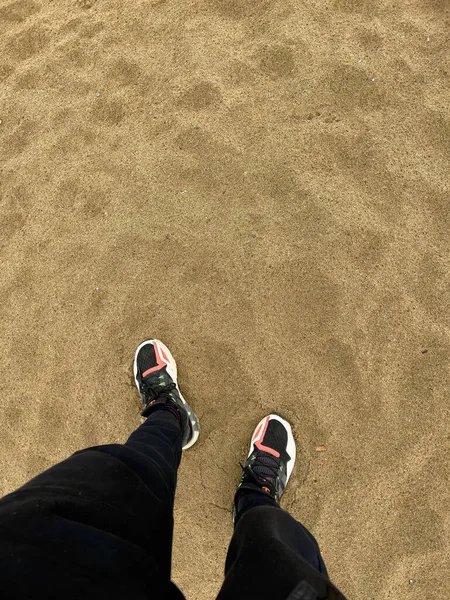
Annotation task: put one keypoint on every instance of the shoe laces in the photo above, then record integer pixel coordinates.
(152, 390)
(270, 467)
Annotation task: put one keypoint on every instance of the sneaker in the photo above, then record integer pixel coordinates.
(271, 459)
(155, 375)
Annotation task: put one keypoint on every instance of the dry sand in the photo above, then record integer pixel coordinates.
(264, 185)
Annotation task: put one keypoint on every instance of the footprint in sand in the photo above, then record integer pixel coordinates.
(86, 4)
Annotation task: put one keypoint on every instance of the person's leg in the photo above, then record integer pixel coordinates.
(100, 523)
(276, 522)
(271, 555)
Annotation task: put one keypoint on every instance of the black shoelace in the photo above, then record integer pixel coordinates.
(151, 390)
(270, 464)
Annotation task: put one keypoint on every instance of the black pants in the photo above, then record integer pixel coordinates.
(99, 525)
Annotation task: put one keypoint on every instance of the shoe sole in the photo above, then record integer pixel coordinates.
(291, 448)
(171, 367)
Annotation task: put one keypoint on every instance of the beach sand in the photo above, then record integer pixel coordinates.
(264, 185)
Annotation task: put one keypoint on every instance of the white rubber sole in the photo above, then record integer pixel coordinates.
(171, 367)
(291, 448)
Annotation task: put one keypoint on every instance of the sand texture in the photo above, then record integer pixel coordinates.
(264, 185)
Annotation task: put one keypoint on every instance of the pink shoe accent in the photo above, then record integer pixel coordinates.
(259, 435)
(161, 360)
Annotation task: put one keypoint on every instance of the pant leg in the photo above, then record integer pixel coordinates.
(97, 525)
(272, 556)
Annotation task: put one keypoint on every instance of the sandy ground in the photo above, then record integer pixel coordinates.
(265, 186)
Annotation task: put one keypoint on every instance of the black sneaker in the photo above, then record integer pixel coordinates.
(271, 459)
(155, 374)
